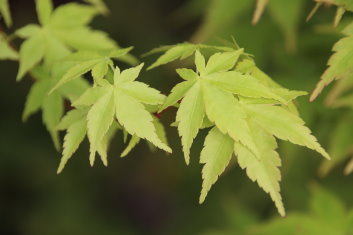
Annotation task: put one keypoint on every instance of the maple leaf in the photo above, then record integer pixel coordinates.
(246, 109)
(60, 32)
(123, 101)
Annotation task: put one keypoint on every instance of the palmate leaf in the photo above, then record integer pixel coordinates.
(62, 30)
(340, 64)
(246, 109)
(122, 104)
(217, 84)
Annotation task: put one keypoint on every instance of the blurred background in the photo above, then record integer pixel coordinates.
(154, 193)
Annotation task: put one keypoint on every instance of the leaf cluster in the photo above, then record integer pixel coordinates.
(245, 110)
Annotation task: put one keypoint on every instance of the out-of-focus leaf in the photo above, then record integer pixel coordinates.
(6, 51)
(340, 64)
(341, 145)
(5, 12)
(259, 10)
(287, 15)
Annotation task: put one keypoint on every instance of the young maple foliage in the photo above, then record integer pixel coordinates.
(243, 107)
(246, 111)
(47, 53)
(111, 105)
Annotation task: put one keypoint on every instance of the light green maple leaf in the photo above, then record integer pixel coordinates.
(122, 101)
(60, 32)
(246, 109)
(217, 84)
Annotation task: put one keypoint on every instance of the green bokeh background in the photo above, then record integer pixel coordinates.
(151, 192)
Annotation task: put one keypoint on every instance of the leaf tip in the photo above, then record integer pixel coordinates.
(92, 158)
